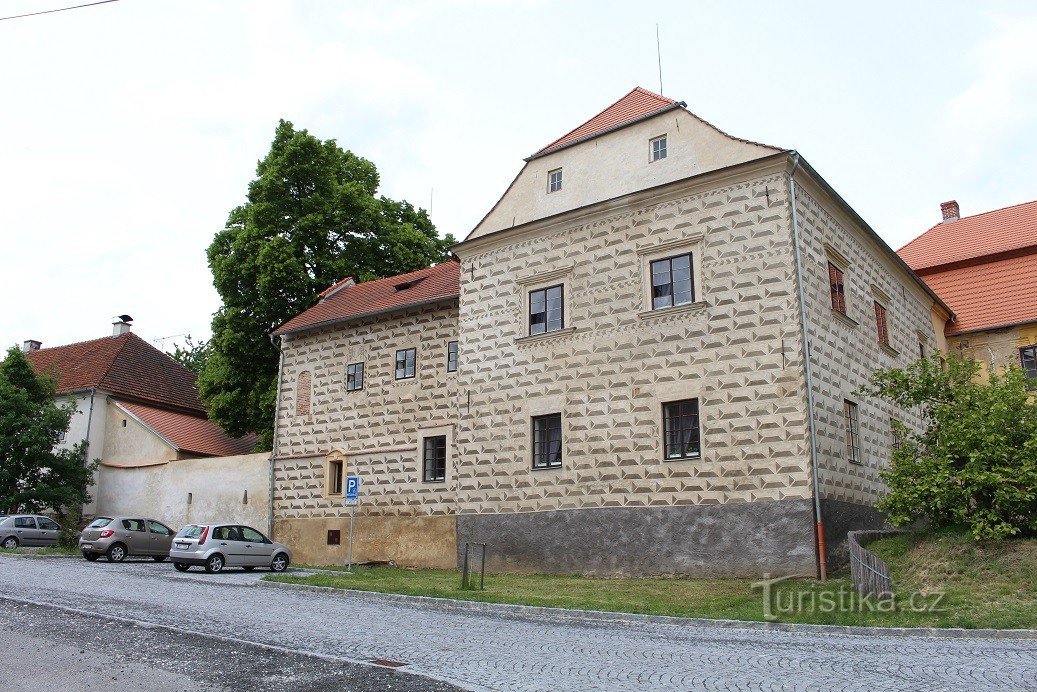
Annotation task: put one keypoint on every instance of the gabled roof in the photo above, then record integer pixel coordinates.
(189, 434)
(637, 105)
(123, 365)
(973, 237)
(349, 302)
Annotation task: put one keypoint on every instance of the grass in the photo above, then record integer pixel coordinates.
(47, 550)
(986, 586)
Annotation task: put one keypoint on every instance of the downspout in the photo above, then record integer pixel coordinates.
(822, 553)
(273, 445)
(89, 419)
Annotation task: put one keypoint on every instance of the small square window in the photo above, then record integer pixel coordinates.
(61, 436)
(1028, 360)
(836, 281)
(451, 357)
(547, 441)
(546, 310)
(853, 435)
(354, 377)
(334, 536)
(672, 282)
(434, 459)
(554, 180)
(881, 327)
(405, 361)
(681, 437)
(658, 148)
(335, 471)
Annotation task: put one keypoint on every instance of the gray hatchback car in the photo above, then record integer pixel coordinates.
(28, 530)
(215, 546)
(118, 537)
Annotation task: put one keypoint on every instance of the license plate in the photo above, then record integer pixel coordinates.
(182, 546)
(87, 546)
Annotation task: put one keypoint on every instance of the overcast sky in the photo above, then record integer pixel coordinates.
(130, 129)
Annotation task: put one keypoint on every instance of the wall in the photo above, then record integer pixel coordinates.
(378, 431)
(997, 346)
(217, 486)
(83, 421)
(132, 444)
(617, 164)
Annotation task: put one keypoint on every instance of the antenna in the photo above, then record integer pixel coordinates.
(659, 55)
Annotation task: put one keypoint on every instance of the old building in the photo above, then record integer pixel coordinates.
(630, 394)
(985, 268)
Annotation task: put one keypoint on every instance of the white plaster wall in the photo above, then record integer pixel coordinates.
(132, 444)
(82, 423)
(616, 164)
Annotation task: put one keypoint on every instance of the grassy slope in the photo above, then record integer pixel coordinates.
(986, 587)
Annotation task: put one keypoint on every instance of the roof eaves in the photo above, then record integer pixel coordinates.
(362, 315)
(989, 327)
(618, 126)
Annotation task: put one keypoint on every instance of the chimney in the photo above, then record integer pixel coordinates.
(31, 345)
(950, 211)
(121, 325)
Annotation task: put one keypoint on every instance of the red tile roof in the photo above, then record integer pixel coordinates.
(971, 237)
(191, 434)
(429, 285)
(123, 365)
(638, 104)
(989, 295)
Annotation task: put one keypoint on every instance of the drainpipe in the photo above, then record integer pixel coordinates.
(89, 419)
(822, 554)
(273, 445)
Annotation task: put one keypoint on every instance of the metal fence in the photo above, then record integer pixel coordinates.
(870, 575)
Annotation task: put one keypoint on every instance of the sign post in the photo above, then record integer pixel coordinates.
(352, 499)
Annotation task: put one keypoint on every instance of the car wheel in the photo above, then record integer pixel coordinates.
(116, 553)
(249, 568)
(214, 564)
(10, 543)
(280, 563)
(159, 558)
(90, 557)
(181, 566)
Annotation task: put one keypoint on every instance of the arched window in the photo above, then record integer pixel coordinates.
(303, 391)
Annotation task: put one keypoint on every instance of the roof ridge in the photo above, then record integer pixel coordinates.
(941, 224)
(115, 356)
(74, 343)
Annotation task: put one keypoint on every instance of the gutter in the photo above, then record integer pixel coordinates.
(822, 554)
(277, 343)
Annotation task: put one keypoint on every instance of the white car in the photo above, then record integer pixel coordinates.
(216, 546)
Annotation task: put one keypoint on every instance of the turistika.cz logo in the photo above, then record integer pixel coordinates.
(787, 601)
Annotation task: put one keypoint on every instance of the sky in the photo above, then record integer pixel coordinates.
(129, 130)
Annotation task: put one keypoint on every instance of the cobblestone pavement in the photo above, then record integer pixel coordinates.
(487, 651)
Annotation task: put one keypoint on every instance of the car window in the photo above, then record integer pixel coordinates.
(48, 525)
(191, 531)
(159, 528)
(133, 524)
(220, 533)
(251, 535)
(24, 523)
(99, 522)
(233, 533)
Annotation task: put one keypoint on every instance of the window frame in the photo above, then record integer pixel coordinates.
(352, 370)
(440, 463)
(551, 189)
(882, 323)
(653, 150)
(681, 414)
(837, 288)
(546, 323)
(895, 442)
(673, 293)
(336, 477)
(414, 363)
(451, 356)
(1032, 356)
(540, 448)
(852, 425)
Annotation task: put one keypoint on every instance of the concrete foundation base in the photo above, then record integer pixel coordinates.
(732, 540)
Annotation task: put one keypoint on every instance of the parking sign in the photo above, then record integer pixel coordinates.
(352, 487)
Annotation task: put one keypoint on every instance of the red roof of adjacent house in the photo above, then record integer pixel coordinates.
(191, 434)
(971, 237)
(123, 365)
(639, 103)
(429, 285)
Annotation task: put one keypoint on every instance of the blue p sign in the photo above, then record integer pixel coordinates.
(352, 487)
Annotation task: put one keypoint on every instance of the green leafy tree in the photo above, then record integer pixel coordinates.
(191, 355)
(34, 476)
(975, 463)
(311, 218)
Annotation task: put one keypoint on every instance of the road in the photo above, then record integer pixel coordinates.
(505, 652)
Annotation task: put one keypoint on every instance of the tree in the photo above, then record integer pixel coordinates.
(311, 218)
(34, 476)
(975, 462)
(191, 355)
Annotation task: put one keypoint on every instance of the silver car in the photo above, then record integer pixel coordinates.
(215, 546)
(27, 530)
(118, 537)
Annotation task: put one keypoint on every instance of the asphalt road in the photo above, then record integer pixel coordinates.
(216, 620)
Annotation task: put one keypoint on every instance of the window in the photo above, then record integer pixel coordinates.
(302, 394)
(672, 282)
(853, 436)
(434, 459)
(1028, 359)
(159, 528)
(880, 324)
(921, 349)
(24, 523)
(545, 310)
(405, 359)
(61, 436)
(335, 469)
(354, 377)
(48, 525)
(554, 180)
(681, 430)
(451, 357)
(334, 536)
(658, 148)
(134, 525)
(894, 435)
(250, 535)
(547, 441)
(836, 281)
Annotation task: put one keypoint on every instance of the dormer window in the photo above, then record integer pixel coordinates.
(408, 284)
(658, 145)
(554, 180)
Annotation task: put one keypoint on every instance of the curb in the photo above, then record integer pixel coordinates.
(605, 617)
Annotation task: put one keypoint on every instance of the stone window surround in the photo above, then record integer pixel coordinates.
(668, 392)
(395, 355)
(883, 299)
(542, 406)
(329, 465)
(456, 344)
(560, 276)
(691, 244)
(852, 439)
(435, 430)
(837, 258)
